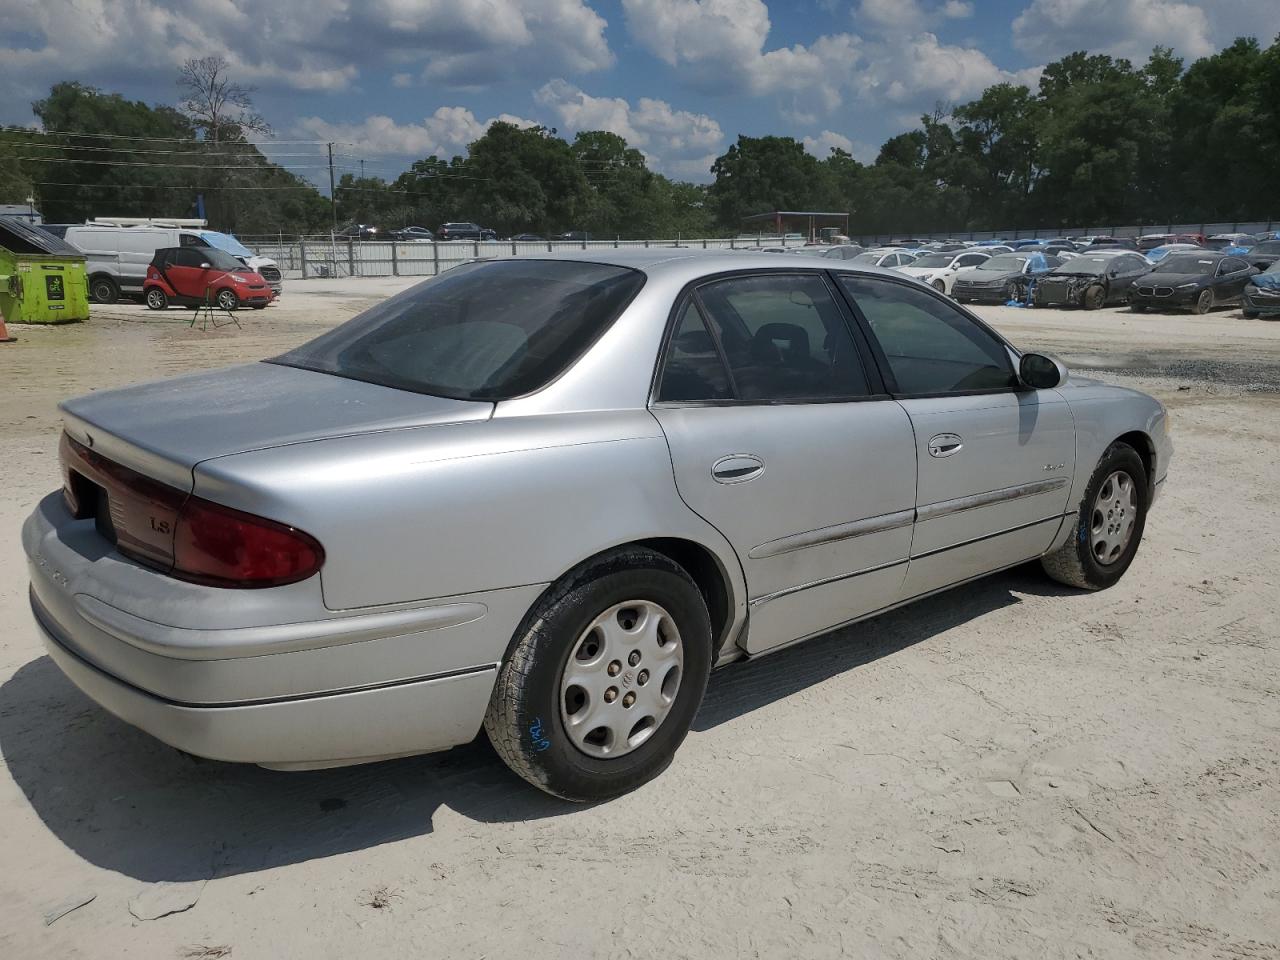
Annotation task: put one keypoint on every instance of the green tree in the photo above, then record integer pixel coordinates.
(760, 174)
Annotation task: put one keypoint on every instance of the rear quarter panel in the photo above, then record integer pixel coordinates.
(414, 514)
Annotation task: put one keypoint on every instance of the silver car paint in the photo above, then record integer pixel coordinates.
(443, 522)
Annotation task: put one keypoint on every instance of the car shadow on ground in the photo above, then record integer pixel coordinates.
(126, 802)
(742, 688)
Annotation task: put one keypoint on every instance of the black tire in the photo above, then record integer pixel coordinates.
(1203, 303)
(524, 721)
(1074, 562)
(1094, 298)
(259, 306)
(156, 299)
(103, 290)
(1138, 308)
(1250, 314)
(227, 300)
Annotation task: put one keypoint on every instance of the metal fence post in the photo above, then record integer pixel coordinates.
(395, 259)
(476, 245)
(435, 258)
(351, 257)
(302, 255)
(513, 248)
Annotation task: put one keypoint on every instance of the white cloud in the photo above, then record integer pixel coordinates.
(719, 45)
(444, 134)
(300, 44)
(672, 139)
(822, 145)
(908, 15)
(828, 140)
(1125, 28)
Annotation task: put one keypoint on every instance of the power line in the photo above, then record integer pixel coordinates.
(176, 166)
(31, 145)
(27, 131)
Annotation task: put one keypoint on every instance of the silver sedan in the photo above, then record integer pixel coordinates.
(547, 496)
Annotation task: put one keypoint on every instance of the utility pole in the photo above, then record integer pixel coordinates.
(333, 195)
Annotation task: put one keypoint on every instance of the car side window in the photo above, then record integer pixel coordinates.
(971, 260)
(930, 345)
(693, 369)
(1233, 265)
(188, 257)
(784, 337)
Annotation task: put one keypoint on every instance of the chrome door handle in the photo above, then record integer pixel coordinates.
(945, 445)
(737, 468)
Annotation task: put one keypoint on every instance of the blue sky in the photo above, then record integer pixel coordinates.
(394, 80)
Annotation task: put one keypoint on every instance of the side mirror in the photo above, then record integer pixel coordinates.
(1041, 372)
(206, 266)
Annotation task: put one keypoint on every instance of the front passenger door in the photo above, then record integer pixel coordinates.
(995, 460)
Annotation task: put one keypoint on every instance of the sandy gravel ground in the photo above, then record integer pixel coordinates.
(1013, 770)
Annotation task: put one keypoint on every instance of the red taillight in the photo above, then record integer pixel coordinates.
(222, 547)
(179, 534)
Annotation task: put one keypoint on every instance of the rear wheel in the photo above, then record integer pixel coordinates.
(156, 299)
(103, 290)
(1204, 303)
(1113, 515)
(227, 300)
(601, 685)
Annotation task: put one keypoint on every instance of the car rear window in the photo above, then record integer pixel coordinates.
(482, 331)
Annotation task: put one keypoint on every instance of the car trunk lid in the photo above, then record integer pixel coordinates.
(128, 454)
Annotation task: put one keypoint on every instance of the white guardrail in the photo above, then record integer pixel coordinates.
(322, 256)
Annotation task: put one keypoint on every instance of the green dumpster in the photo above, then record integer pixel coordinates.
(42, 277)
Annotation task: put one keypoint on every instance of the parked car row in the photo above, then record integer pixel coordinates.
(1178, 274)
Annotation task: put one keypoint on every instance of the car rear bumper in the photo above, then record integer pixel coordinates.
(356, 726)
(263, 676)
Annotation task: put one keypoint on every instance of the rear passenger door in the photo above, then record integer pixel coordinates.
(784, 439)
(995, 460)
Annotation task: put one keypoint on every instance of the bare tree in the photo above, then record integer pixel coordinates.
(215, 103)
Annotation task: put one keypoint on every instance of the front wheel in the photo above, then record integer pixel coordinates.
(1203, 304)
(939, 286)
(1112, 517)
(603, 680)
(1094, 298)
(227, 300)
(1137, 308)
(156, 299)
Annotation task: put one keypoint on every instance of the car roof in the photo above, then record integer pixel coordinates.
(685, 265)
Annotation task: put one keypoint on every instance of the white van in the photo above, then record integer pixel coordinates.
(118, 252)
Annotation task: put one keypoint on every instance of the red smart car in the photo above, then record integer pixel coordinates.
(195, 276)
